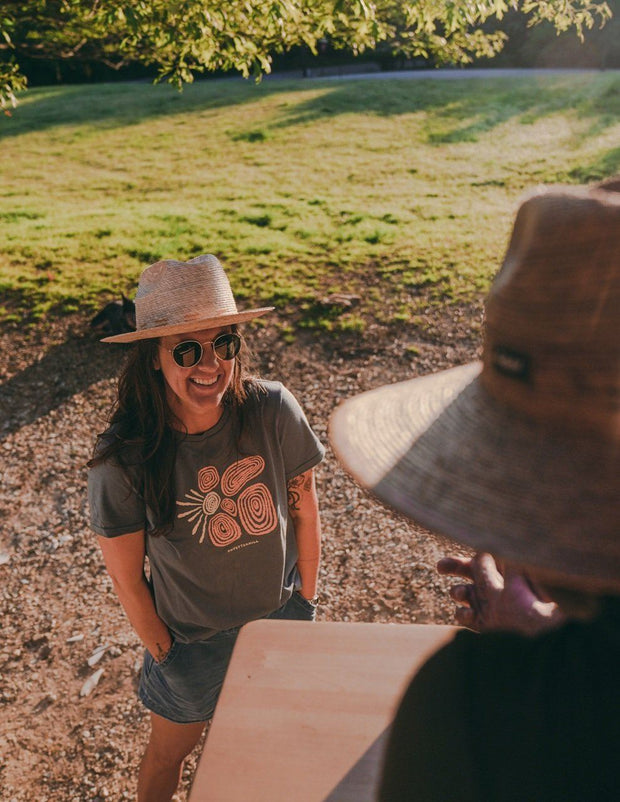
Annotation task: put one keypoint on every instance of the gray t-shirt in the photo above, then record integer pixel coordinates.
(231, 556)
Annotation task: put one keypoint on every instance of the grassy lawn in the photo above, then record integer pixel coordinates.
(392, 190)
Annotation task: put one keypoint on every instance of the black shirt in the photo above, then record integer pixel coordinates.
(508, 718)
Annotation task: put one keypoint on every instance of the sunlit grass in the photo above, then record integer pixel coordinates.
(302, 188)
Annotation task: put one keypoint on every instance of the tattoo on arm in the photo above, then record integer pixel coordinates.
(295, 487)
(161, 653)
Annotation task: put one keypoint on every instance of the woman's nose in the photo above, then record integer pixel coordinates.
(208, 355)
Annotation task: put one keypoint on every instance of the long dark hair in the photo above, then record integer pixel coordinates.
(140, 430)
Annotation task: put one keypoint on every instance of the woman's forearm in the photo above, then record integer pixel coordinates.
(309, 574)
(308, 533)
(139, 606)
(303, 508)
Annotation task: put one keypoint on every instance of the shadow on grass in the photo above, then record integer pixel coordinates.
(608, 164)
(465, 109)
(457, 110)
(116, 105)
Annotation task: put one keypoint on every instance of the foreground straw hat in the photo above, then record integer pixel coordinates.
(518, 455)
(177, 297)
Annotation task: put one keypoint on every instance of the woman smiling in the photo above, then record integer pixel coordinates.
(209, 473)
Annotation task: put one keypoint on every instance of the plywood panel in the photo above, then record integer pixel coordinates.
(305, 709)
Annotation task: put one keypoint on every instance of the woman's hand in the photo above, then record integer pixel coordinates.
(494, 600)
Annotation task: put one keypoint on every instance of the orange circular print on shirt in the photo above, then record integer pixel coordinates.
(225, 509)
(256, 511)
(239, 474)
(229, 506)
(223, 530)
(208, 478)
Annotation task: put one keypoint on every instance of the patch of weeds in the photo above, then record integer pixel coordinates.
(390, 218)
(258, 250)
(492, 182)
(19, 214)
(143, 255)
(350, 323)
(303, 234)
(172, 218)
(414, 279)
(387, 270)
(260, 220)
(281, 293)
(350, 219)
(257, 135)
(316, 202)
(316, 314)
(44, 280)
(103, 232)
(413, 350)
(377, 236)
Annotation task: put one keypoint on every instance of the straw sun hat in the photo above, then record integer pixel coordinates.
(518, 454)
(177, 297)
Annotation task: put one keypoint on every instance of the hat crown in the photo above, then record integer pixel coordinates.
(552, 349)
(172, 293)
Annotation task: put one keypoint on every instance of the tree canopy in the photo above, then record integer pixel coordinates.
(184, 37)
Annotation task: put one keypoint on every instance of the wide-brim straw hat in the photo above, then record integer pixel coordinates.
(177, 297)
(519, 454)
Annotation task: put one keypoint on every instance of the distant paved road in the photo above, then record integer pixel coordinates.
(453, 74)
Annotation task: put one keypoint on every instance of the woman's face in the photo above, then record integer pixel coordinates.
(195, 394)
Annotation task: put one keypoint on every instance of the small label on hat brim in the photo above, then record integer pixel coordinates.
(511, 363)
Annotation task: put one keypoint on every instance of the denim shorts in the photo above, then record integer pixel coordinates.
(185, 686)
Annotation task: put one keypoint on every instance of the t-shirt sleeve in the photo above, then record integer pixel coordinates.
(428, 754)
(116, 504)
(301, 448)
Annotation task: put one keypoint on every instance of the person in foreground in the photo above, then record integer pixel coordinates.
(519, 458)
(209, 474)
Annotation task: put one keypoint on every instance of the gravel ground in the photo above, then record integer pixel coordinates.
(62, 628)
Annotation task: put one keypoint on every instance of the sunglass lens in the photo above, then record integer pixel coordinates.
(227, 346)
(187, 354)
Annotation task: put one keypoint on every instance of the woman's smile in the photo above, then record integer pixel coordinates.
(205, 382)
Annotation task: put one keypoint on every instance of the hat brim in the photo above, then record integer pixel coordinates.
(442, 451)
(189, 325)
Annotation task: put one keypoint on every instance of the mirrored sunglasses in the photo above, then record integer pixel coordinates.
(189, 352)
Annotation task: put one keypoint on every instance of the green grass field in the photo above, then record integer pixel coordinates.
(389, 189)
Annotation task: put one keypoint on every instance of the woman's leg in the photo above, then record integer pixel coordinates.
(168, 746)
